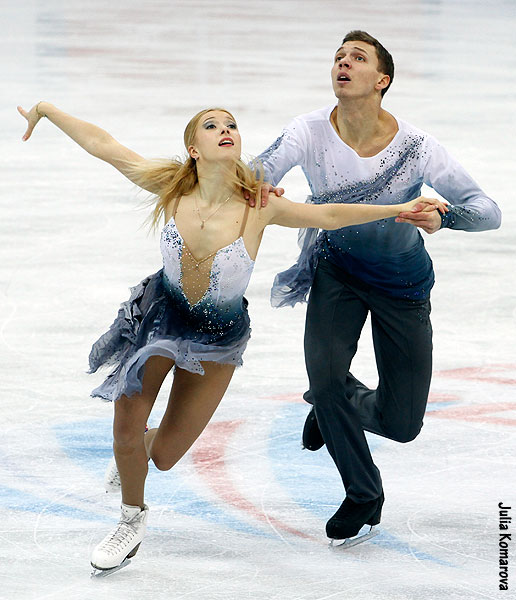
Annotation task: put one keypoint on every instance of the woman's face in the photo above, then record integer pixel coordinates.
(216, 138)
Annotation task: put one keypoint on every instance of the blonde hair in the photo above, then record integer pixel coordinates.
(173, 178)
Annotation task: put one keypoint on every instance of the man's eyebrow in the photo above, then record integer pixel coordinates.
(354, 48)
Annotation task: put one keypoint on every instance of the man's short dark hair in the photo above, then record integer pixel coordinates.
(385, 62)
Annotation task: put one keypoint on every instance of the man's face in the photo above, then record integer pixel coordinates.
(355, 71)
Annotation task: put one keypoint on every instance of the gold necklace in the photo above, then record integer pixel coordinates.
(203, 221)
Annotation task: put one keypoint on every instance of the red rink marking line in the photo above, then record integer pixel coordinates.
(209, 460)
(297, 398)
(478, 413)
(480, 374)
(440, 397)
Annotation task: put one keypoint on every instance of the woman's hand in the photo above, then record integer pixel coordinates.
(32, 116)
(423, 212)
(423, 204)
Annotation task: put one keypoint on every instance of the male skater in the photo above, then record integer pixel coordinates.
(358, 152)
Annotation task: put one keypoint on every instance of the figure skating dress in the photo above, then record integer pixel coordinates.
(190, 311)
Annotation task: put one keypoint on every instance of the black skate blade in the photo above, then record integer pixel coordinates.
(98, 573)
(354, 541)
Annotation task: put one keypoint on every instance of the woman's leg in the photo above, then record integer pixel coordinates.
(131, 415)
(193, 400)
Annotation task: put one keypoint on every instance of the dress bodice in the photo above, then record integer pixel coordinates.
(208, 294)
(226, 273)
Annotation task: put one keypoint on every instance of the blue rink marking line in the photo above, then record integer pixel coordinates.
(440, 405)
(312, 479)
(18, 500)
(89, 444)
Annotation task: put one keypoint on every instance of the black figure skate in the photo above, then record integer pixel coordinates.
(345, 525)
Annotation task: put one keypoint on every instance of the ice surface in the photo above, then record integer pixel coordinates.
(242, 515)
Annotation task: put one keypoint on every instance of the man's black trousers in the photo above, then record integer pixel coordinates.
(402, 336)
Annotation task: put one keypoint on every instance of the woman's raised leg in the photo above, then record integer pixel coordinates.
(192, 402)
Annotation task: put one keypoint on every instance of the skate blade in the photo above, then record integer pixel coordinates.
(350, 542)
(98, 573)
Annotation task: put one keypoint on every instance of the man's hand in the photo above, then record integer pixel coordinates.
(266, 189)
(427, 221)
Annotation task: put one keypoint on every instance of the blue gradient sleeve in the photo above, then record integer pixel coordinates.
(288, 151)
(471, 209)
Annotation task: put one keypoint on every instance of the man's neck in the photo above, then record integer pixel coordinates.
(364, 125)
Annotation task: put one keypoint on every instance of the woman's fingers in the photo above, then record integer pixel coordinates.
(28, 133)
(436, 205)
(430, 204)
(31, 121)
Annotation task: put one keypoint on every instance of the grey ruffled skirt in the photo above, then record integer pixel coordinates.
(156, 321)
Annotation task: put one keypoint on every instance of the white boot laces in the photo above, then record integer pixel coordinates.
(121, 536)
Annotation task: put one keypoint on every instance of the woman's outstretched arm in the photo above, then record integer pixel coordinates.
(281, 211)
(93, 139)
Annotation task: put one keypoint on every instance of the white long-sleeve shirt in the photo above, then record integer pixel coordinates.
(387, 255)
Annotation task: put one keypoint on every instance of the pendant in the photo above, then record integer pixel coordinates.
(202, 224)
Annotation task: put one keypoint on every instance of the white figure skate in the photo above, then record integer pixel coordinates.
(122, 542)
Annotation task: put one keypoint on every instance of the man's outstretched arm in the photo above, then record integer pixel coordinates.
(470, 208)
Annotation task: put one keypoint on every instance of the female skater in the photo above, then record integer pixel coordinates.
(192, 313)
